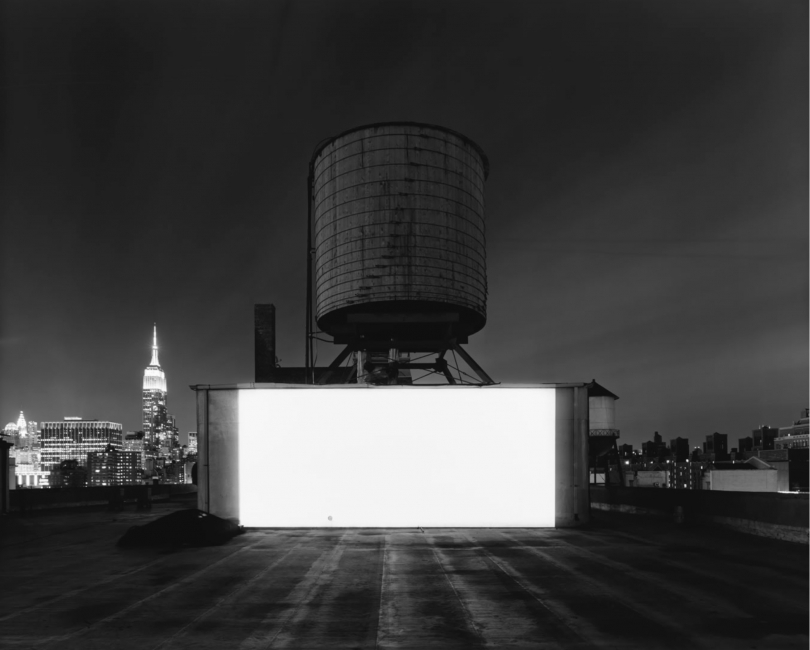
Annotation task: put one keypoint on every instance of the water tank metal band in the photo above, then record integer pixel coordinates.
(410, 125)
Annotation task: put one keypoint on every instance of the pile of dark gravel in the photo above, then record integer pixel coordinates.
(182, 528)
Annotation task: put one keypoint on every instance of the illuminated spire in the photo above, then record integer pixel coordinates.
(153, 377)
(154, 361)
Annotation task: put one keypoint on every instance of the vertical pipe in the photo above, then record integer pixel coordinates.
(575, 455)
(308, 350)
(203, 450)
(5, 471)
(207, 458)
(564, 429)
(582, 414)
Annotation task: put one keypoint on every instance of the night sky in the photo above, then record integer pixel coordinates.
(647, 206)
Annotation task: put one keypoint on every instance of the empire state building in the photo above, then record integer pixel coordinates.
(155, 416)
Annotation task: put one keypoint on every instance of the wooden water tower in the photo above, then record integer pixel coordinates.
(397, 255)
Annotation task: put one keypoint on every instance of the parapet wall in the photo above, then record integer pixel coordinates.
(768, 514)
(25, 500)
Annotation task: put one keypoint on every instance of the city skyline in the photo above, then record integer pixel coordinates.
(646, 208)
(76, 450)
(153, 396)
(155, 389)
(153, 400)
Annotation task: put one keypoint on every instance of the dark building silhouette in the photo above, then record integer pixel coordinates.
(764, 437)
(654, 448)
(5, 498)
(69, 473)
(626, 451)
(716, 446)
(680, 449)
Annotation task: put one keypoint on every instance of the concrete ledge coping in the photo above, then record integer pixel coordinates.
(783, 532)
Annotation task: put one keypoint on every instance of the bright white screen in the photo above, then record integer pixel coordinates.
(396, 457)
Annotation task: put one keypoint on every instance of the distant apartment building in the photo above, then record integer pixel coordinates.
(74, 438)
(68, 473)
(794, 436)
(716, 446)
(654, 448)
(681, 476)
(753, 475)
(764, 437)
(174, 472)
(24, 436)
(680, 449)
(657, 476)
(764, 463)
(697, 469)
(133, 441)
(28, 472)
(113, 467)
(192, 442)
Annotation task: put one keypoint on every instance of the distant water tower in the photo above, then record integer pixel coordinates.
(397, 249)
(602, 432)
(602, 412)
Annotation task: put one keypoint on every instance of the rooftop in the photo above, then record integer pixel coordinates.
(623, 582)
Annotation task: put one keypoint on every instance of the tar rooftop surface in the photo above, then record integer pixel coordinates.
(622, 582)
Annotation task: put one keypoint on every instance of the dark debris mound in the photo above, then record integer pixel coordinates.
(182, 528)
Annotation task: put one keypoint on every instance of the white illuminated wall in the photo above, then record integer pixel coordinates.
(396, 457)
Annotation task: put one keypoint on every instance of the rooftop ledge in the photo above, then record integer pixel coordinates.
(254, 385)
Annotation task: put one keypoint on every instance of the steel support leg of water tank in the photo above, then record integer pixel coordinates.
(335, 364)
(441, 364)
(472, 363)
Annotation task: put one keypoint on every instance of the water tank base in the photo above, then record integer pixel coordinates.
(403, 320)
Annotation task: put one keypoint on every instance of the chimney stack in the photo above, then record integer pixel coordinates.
(264, 328)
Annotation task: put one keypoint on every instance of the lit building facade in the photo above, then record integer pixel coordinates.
(113, 467)
(795, 436)
(133, 441)
(155, 416)
(681, 476)
(174, 472)
(74, 438)
(169, 436)
(161, 435)
(24, 435)
(27, 477)
(192, 442)
(27, 469)
(21, 433)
